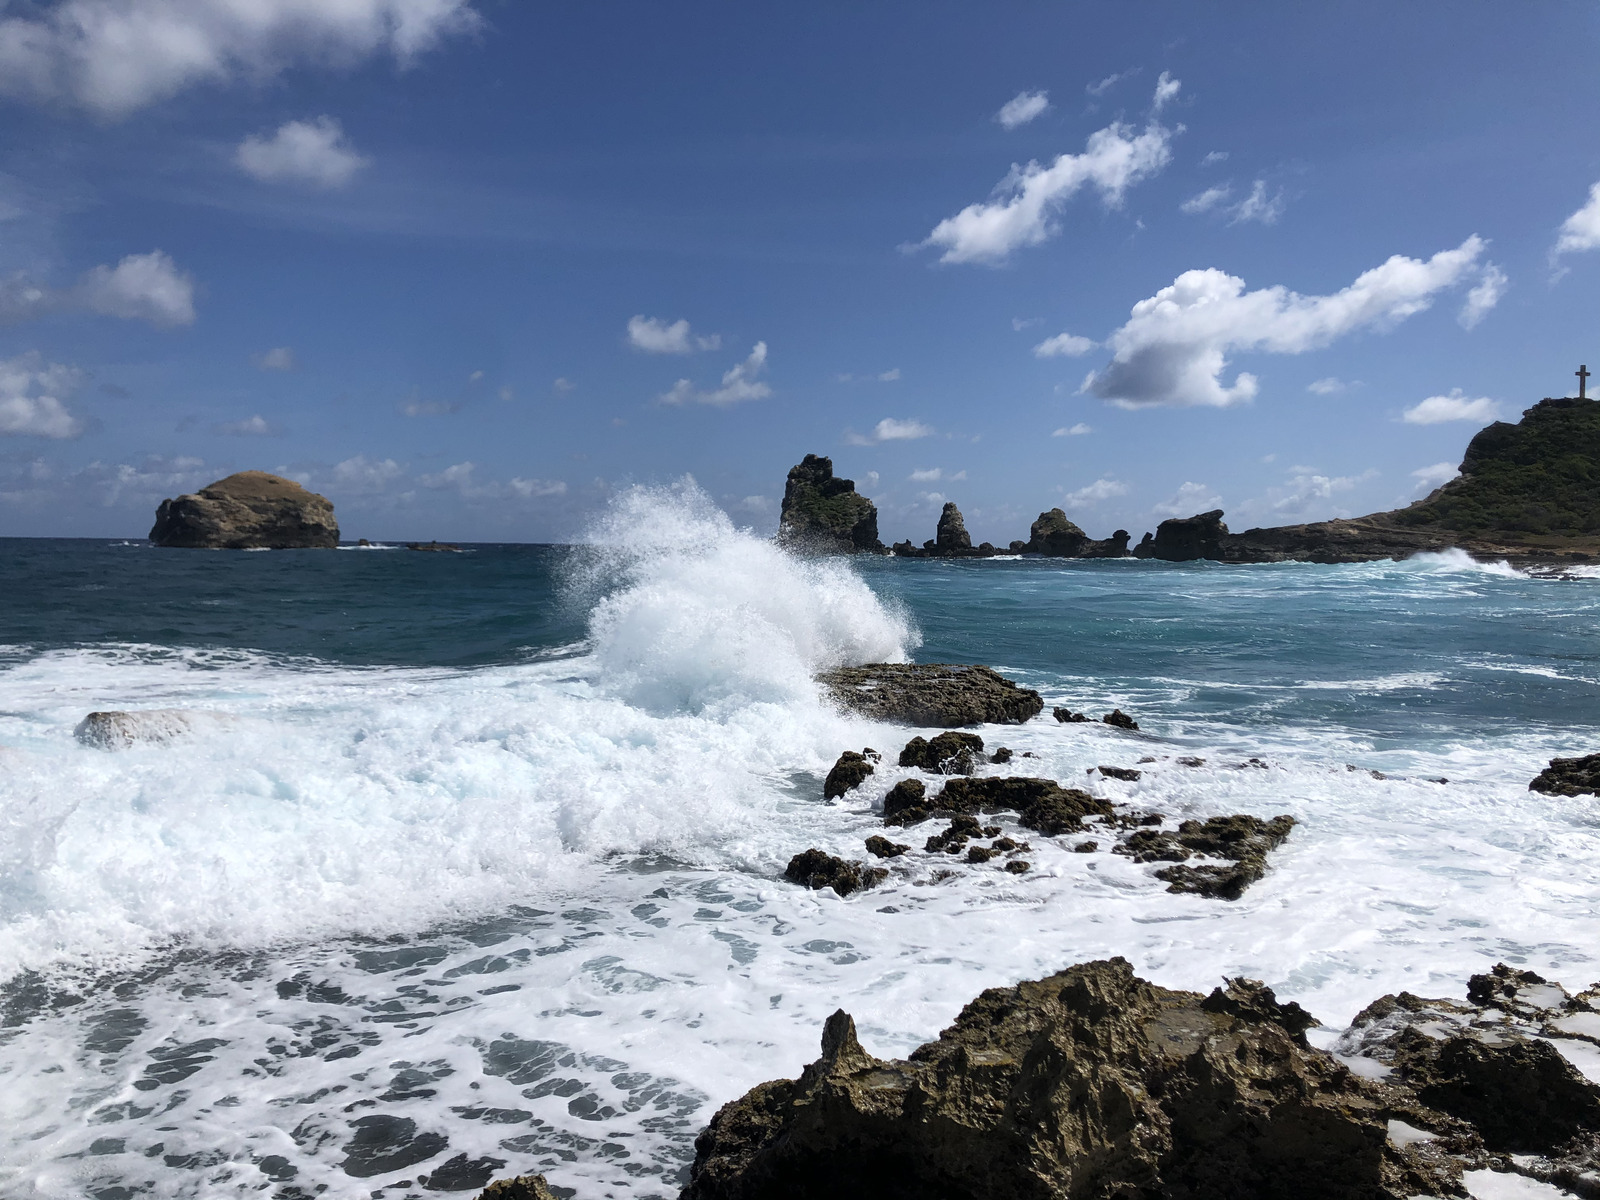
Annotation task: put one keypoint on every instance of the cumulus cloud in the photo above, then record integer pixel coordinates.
(1077, 430)
(1175, 346)
(32, 395)
(114, 56)
(655, 336)
(1581, 231)
(1326, 387)
(1067, 345)
(1094, 493)
(1481, 299)
(1167, 89)
(890, 429)
(256, 426)
(1025, 203)
(739, 383)
(279, 358)
(313, 152)
(1189, 499)
(142, 287)
(1454, 407)
(1437, 475)
(1022, 108)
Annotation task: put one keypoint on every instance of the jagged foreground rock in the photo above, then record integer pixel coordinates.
(1094, 1084)
(250, 510)
(825, 515)
(1569, 777)
(932, 694)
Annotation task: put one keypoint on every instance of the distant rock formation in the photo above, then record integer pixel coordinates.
(951, 533)
(825, 515)
(1054, 536)
(1529, 490)
(251, 510)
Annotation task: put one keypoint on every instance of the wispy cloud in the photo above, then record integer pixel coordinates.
(1482, 299)
(1022, 108)
(256, 426)
(890, 429)
(1580, 231)
(1326, 387)
(1064, 345)
(279, 358)
(655, 336)
(935, 475)
(312, 152)
(1437, 475)
(1077, 430)
(1189, 499)
(1455, 407)
(1167, 89)
(739, 383)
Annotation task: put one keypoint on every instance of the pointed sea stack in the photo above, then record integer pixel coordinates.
(951, 533)
(825, 515)
(248, 511)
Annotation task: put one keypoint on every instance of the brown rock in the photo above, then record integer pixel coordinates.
(523, 1187)
(936, 695)
(1569, 777)
(815, 869)
(848, 773)
(949, 753)
(246, 511)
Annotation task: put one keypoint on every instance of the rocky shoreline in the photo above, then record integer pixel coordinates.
(1526, 493)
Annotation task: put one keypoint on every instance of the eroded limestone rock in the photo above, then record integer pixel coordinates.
(940, 695)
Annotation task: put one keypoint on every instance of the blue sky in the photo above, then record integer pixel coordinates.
(468, 266)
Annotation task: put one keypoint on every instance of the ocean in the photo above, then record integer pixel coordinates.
(471, 864)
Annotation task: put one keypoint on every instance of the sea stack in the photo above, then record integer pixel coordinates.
(250, 510)
(951, 533)
(825, 515)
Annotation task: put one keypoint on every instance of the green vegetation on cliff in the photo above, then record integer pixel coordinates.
(1540, 476)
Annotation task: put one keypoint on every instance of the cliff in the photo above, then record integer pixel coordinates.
(825, 515)
(247, 511)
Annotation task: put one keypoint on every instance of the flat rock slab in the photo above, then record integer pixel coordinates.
(932, 694)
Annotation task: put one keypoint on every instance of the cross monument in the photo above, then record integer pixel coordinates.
(1583, 380)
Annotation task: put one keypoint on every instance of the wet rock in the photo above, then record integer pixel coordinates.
(1189, 760)
(1184, 539)
(940, 695)
(1493, 1061)
(523, 1187)
(954, 838)
(247, 511)
(1126, 774)
(815, 869)
(1018, 866)
(1067, 717)
(949, 753)
(981, 854)
(951, 532)
(824, 515)
(1253, 1001)
(848, 773)
(1242, 841)
(1090, 1084)
(906, 803)
(1001, 756)
(881, 847)
(1121, 720)
(1041, 804)
(120, 730)
(435, 547)
(1569, 777)
(1086, 847)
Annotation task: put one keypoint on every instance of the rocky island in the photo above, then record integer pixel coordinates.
(825, 515)
(250, 510)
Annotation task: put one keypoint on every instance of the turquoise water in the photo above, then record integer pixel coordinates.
(471, 863)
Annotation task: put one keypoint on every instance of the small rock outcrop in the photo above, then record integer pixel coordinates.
(825, 515)
(523, 1187)
(1569, 777)
(1120, 720)
(951, 532)
(949, 753)
(816, 869)
(1241, 842)
(120, 730)
(250, 510)
(941, 695)
(848, 772)
(1054, 536)
(1091, 1083)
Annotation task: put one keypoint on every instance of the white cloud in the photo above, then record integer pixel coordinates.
(1173, 349)
(1068, 345)
(1094, 493)
(1581, 231)
(892, 430)
(1077, 430)
(889, 376)
(1189, 499)
(157, 477)
(528, 489)
(256, 426)
(935, 475)
(1326, 387)
(1023, 210)
(279, 358)
(1167, 89)
(1308, 488)
(1206, 200)
(1437, 475)
(1018, 324)
(1454, 407)
(31, 395)
(474, 377)
(655, 336)
(1022, 108)
(313, 152)
(1481, 299)
(114, 56)
(1257, 206)
(739, 383)
(1100, 89)
(1215, 157)
(563, 385)
(145, 287)
(363, 475)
